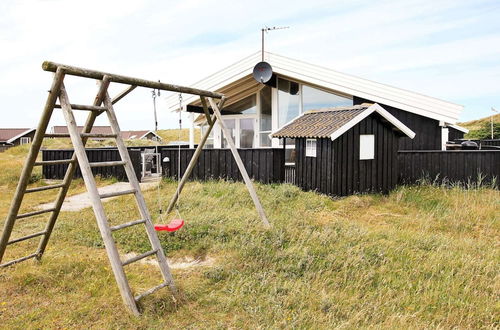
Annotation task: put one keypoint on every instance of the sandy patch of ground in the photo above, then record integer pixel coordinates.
(81, 201)
(182, 263)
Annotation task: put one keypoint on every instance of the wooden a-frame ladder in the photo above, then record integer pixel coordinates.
(104, 104)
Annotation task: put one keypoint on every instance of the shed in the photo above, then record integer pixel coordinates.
(345, 150)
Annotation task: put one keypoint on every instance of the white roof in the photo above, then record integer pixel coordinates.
(326, 78)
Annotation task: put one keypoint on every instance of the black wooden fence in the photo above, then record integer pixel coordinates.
(264, 165)
(451, 166)
(94, 155)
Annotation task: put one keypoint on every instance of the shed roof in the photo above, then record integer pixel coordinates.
(333, 122)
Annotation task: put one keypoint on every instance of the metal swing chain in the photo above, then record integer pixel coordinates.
(177, 203)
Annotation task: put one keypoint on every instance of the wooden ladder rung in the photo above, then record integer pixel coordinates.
(53, 162)
(31, 214)
(84, 107)
(98, 135)
(54, 186)
(18, 260)
(27, 237)
(139, 257)
(103, 164)
(150, 291)
(117, 193)
(56, 135)
(127, 224)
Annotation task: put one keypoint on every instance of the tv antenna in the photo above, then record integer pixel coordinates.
(266, 30)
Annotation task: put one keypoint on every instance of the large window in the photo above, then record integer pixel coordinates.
(245, 106)
(313, 98)
(25, 140)
(288, 101)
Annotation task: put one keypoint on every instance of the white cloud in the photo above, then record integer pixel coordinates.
(411, 44)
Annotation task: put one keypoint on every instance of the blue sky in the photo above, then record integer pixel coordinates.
(445, 49)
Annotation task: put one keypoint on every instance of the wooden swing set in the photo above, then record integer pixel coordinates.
(103, 103)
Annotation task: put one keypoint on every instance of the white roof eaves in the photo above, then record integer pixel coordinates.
(392, 96)
(458, 128)
(20, 135)
(371, 109)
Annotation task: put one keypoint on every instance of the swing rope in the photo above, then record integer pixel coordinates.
(177, 222)
(177, 203)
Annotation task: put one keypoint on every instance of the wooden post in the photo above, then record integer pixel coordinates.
(30, 160)
(243, 171)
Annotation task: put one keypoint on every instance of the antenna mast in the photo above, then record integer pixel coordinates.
(267, 29)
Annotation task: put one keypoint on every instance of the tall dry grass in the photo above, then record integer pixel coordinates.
(422, 257)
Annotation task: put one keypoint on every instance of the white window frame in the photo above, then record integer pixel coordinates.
(25, 140)
(311, 147)
(218, 136)
(366, 146)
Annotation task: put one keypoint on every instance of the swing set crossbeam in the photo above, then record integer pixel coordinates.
(138, 82)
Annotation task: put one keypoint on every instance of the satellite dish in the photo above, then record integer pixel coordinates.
(262, 72)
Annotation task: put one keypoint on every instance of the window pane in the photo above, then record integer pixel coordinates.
(248, 105)
(230, 125)
(314, 98)
(209, 144)
(265, 109)
(246, 132)
(310, 148)
(289, 142)
(288, 101)
(265, 141)
(289, 155)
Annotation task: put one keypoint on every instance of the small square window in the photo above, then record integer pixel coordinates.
(366, 146)
(310, 147)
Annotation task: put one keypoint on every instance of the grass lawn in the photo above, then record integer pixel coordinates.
(421, 257)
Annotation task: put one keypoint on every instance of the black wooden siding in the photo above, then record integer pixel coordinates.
(265, 165)
(337, 169)
(94, 155)
(427, 130)
(454, 134)
(453, 166)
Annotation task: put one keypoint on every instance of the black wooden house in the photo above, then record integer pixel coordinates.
(345, 150)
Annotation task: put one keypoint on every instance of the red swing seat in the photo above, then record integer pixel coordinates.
(174, 225)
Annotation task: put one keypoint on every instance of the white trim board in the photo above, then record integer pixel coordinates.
(458, 128)
(371, 109)
(334, 81)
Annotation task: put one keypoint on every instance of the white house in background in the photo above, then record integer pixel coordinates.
(254, 110)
